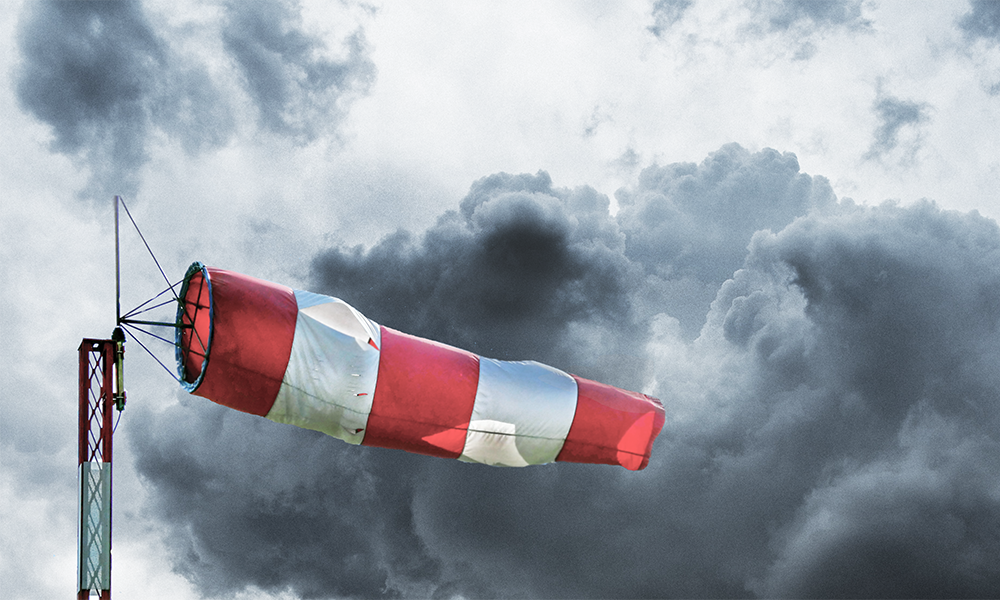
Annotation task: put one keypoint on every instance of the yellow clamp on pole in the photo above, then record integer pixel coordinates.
(118, 337)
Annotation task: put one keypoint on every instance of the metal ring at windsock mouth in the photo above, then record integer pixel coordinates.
(194, 326)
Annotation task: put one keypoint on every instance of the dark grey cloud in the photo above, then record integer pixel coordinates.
(890, 402)
(831, 432)
(88, 69)
(983, 21)
(688, 225)
(843, 446)
(325, 523)
(296, 89)
(105, 80)
(522, 271)
(898, 119)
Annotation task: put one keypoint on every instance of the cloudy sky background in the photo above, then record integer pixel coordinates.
(777, 217)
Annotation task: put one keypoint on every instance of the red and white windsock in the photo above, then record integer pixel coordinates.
(316, 362)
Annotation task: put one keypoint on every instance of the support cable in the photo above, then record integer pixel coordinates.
(138, 341)
(151, 334)
(136, 310)
(143, 238)
(155, 323)
(128, 321)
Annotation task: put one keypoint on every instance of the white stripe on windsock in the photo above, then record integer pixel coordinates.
(522, 414)
(334, 367)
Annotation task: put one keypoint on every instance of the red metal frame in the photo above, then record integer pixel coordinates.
(97, 359)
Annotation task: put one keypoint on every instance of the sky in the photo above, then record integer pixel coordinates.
(777, 216)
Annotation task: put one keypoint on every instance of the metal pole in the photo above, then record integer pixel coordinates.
(118, 279)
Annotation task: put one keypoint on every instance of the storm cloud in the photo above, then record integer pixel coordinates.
(688, 225)
(89, 70)
(816, 448)
(249, 506)
(298, 90)
(872, 333)
(831, 424)
(521, 271)
(107, 82)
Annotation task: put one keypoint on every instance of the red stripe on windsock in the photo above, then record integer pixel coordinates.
(253, 325)
(612, 426)
(423, 397)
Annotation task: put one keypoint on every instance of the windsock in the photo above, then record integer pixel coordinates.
(315, 362)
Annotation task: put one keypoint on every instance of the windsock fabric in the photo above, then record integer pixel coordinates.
(315, 362)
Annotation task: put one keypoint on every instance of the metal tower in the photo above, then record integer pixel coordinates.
(101, 390)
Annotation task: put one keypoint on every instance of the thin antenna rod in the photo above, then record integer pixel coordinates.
(118, 270)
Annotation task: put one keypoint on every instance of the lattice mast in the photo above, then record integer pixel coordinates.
(97, 358)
